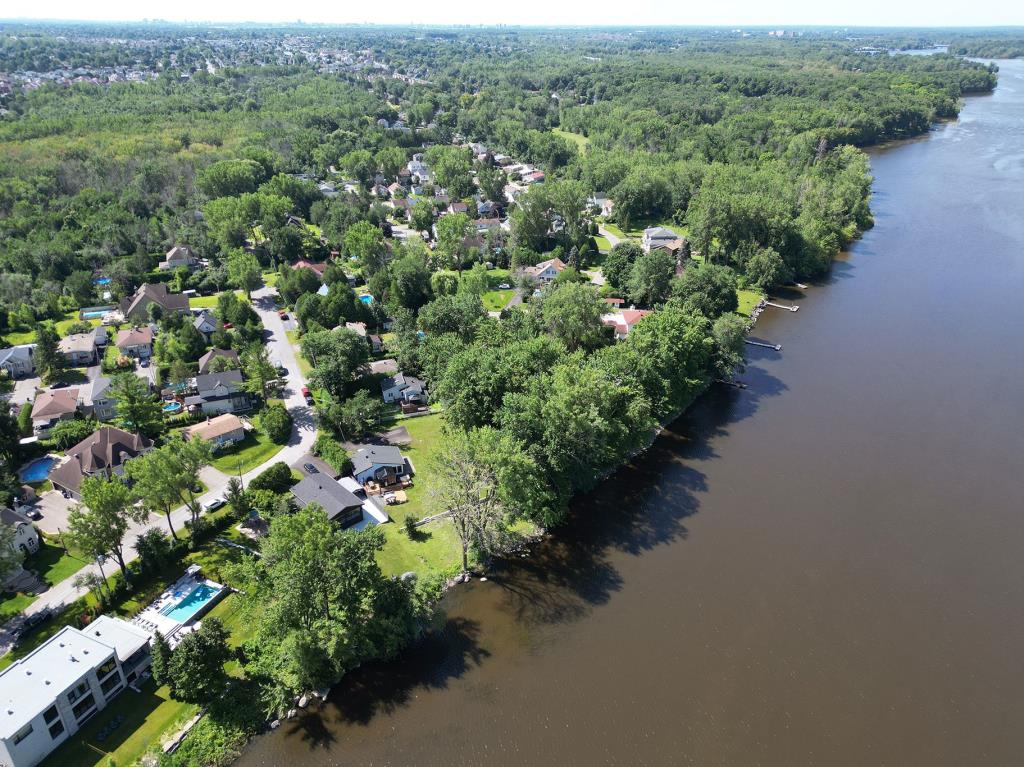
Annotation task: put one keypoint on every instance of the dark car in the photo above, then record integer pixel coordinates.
(310, 468)
(58, 384)
(282, 371)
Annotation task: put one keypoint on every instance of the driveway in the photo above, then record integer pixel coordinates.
(25, 390)
(613, 239)
(54, 509)
(301, 442)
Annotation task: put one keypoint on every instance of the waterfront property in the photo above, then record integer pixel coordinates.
(174, 611)
(382, 464)
(50, 693)
(344, 501)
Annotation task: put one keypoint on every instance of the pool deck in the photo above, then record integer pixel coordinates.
(152, 619)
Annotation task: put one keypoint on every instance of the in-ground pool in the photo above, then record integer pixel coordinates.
(191, 603)
(37, 470)
(94, 315)
(102, 281)
(366, 299)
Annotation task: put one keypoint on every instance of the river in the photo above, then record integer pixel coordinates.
(824, 569)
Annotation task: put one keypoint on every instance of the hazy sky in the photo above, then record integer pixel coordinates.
(918, 13)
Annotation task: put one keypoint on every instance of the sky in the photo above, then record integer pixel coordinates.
(776, 13)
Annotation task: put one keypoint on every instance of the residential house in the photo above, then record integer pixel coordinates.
(457, 207)
(319, 269)
(545, 271)
(102, 454)
(53, 406)
(615, 303)
(341, 505)
(207, 359)
(327, 189)
(382, 464)
(376, 343)
(484, 224)
(79, 349)
(136, 307)
(96, 399)
(418, 168)
(135, 342)
(396, 189)
(26, 538)
(18, 361)
(51, 692)
(488, 209)
(403, 388)
(222, 431)
(359, 328)
(206, 323)
(536, 177)
(623, 322)
(178, 257)
(656, 237)
(219, 393)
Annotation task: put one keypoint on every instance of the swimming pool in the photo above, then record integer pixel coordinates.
(191, 603)
(366, 299)
(93, 315)
(172, 407)
(102, 281)
(37, 470)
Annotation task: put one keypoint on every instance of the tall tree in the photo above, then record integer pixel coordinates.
(98, 524)
(10, 555)
(49, 361)
(137, 409)
(195, 669)
(244, 271)
(572, 314)
(259, 370)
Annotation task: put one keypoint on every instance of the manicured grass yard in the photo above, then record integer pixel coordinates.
(247, 454)
(581, 141)
(496, 300)
(304, 367)
(748, 300)
(53, 565)
(202, 302)
(602, 243)
(436, 548)
(147, 716)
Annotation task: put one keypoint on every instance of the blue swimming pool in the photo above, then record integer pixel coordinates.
(102, 281)
(93, 315)
(191, 603)
(172, 407)
(37, 470)
(366, 299)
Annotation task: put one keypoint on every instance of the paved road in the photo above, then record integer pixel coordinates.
(613, 239)
(301, 441)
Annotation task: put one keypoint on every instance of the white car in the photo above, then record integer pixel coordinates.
(213, 505)
(504, 286)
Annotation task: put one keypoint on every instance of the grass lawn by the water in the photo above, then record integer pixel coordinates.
(747, 301)
(581, 141)
(255, 449)
(147, 716)
(496, 300)
(435, 548)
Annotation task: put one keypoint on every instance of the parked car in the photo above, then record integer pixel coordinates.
(283, 314)
(310, 468)
(504, 286)
(58, 384)
(213, 505)
(282, 371)
(144, 363)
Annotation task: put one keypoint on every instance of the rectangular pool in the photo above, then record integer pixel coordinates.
(191, 603)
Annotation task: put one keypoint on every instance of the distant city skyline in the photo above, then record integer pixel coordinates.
(729, 13)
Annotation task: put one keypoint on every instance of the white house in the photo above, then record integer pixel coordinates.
(657, 236)
(25, 536)
(18, 361)
(51, 692)
(178, 257)
(546, 271)
(95, 398)
(382, 464)
(79, 349)
(206, 324)
(403, 388)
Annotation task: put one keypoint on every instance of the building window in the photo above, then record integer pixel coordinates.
(106, 668)
(50, 714)
(110, 684)
(56, 729)
(21, 734)
(81, 689)
(83, 707)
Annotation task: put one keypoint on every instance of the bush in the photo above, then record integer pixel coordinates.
(276, 423)
(277, 479)
(333, 452)
(65, 434)
(410, 526)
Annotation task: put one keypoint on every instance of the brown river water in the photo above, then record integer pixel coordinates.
(826, 568)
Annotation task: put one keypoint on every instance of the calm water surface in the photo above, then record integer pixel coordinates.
(824, 569)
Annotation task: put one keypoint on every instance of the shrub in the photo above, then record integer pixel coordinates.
(333, 452)
(410, 526)
(277, 479)
(276, 423)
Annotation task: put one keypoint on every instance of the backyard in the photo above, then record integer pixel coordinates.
(53, 564)
(255, 449)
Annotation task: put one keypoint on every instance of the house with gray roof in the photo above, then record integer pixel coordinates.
(403, 388)
(341, 505)
(54, 690)
(229, 354)
(657, 236)
(219, 393)
(206, 323)
(18, 361)
(96, 399)
(79, 349)
(383, 464)
(178, 257)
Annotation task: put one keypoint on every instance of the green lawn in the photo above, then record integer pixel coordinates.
(602, 243)
(747, 301)
(436, 547)
(496, 300)
(637, 230)
(581, 141)
(304, 367)
(147, 716)
(52, 564)
(202, 302)
(255, 449)
(270, 278)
